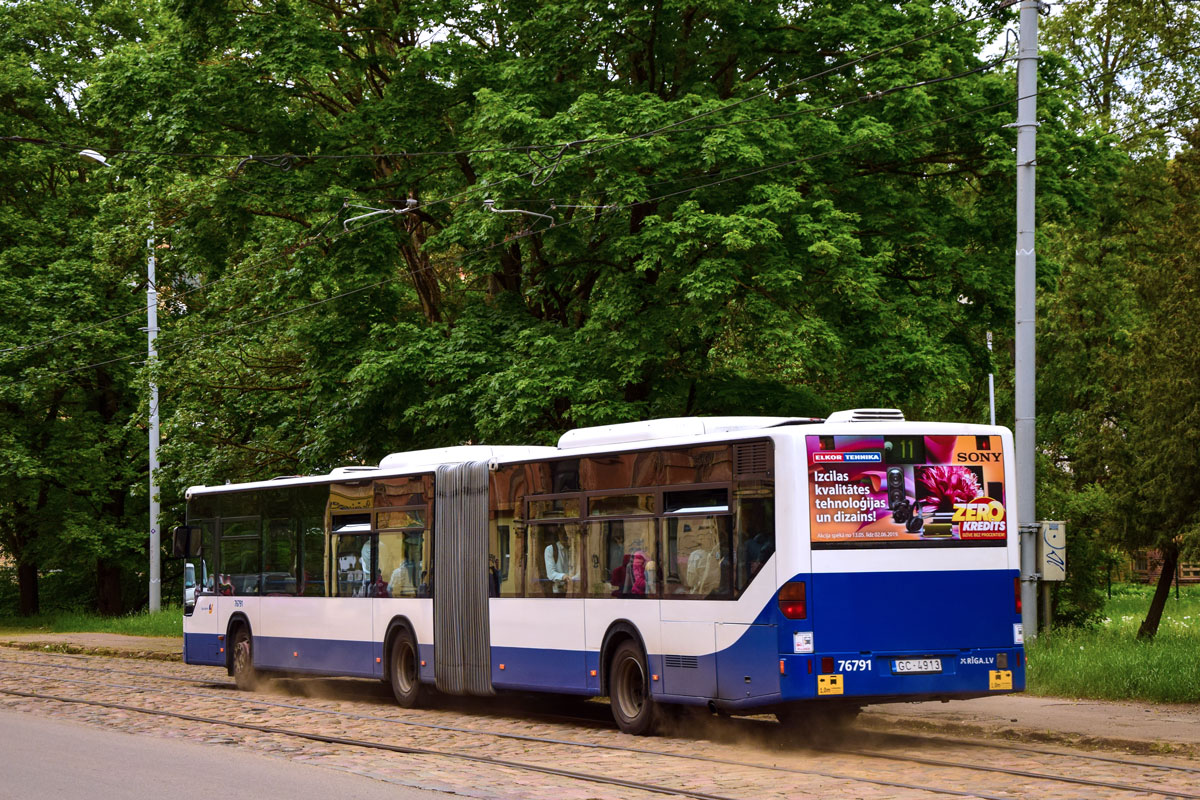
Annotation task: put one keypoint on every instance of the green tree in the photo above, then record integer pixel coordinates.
(1137, 63)
(775, 243)
(65, 432)
(1163, 474)
(1140, 59)
(822, 281)
(1088, 397)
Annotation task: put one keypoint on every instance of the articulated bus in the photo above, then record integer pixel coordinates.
(798, 566)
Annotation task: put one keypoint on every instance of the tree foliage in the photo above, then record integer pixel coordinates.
(696, 209)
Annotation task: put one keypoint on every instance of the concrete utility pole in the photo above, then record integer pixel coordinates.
(1026, 276)
(991, 385)
(151, 333)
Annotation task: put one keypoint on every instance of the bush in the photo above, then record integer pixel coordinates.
(1107, 661)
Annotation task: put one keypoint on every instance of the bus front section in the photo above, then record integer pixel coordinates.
(912, 587)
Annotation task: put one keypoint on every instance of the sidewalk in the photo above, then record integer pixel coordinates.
(158, 648)
(1137, 727)
(1124, 725)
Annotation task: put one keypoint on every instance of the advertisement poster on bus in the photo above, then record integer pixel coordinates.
(906, 491)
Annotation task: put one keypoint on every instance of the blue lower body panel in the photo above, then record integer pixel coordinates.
(325, 656)
(857, 626)
(203, 648)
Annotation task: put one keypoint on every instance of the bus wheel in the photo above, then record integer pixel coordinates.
(244, 674)
(405, 672)
(629, 690)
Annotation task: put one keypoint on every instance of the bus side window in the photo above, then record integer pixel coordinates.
(240, 550)
(755, 531)
(556, 557)
(400, 561)
(354, 562)
(203, 564)
(506, 563)
(312, 572)
(622, 558)
(280, 558)
(702, 555)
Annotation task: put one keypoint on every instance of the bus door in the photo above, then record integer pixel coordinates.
(347, 626)
(623, 579)
(201, 623)
(696, 563)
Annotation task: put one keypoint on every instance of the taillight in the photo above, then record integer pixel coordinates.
(1017, 593)
(792, 601)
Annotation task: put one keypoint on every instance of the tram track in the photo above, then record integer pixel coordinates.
(578, 720)
(260, 702)
(606, 723)
(409, 750)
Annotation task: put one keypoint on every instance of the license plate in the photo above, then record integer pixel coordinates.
(912, 665)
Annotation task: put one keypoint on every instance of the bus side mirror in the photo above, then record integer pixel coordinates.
(185, 541)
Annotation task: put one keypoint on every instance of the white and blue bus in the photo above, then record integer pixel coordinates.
(747, 564)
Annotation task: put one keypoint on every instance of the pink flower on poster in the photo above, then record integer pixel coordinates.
(943, 486)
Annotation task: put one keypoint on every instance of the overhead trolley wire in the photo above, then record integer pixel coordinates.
(532, 173)
(602, 212)
(172, 343)
(291, 249)
(617, 207)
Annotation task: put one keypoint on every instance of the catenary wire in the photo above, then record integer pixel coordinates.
(312, 236)
(738, 176)
(289, 250)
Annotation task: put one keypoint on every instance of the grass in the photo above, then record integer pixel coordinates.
(1107, 662)
(162, 623)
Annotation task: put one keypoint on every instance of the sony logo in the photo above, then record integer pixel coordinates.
(963, 457)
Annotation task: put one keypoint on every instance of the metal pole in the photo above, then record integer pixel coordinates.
(151, 333)
(1026, 125)
(991, 384)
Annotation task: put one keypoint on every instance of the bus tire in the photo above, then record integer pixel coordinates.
(633, 706)
(245, 676)
(404, 670)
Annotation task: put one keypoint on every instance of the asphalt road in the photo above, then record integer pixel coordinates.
(53, 758)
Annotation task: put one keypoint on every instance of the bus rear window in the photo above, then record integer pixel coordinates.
(906, 491)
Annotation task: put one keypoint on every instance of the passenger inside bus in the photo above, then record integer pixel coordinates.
(378, 588)
(560, 562)
(639, 575)
(403, 580)
(705, 562)
(493, 576)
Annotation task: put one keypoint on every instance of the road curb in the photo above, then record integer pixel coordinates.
(74, 649)
(883, 722)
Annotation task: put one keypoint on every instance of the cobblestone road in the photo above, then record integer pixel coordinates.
(744, 758)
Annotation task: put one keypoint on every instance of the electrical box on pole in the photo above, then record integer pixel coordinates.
(1052, 550)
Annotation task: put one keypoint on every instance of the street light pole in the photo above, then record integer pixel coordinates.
(151, 359)
(152, 355)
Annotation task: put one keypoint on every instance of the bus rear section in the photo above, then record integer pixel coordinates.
(913, 590)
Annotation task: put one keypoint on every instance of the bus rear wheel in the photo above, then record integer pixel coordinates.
(629, 691)
(405, 670)
(245, 676)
